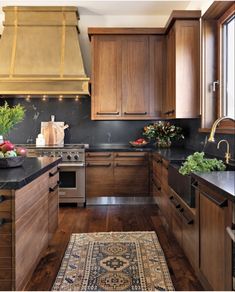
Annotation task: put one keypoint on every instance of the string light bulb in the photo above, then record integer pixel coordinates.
(28, 97)
(60, 97)
(77, 98)
(44, 97)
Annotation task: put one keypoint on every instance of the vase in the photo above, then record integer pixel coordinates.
(163, 143)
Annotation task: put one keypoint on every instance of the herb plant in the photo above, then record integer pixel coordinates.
(10, 116)
(197, 162)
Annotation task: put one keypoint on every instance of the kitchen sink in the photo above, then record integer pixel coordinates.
(182, 184)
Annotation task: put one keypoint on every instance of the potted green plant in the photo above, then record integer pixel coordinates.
(163, 133)
(9, 117)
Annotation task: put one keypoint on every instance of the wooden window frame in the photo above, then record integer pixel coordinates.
(212, 22)
(226, 125)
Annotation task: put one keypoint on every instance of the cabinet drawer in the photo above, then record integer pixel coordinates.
(5, 223)
(131, 178)
(5, 201)
(54, 177)
(99, 156)
(140, 156)
(5, 263)
(157, 168)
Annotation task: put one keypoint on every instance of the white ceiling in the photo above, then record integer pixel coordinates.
(112, 7)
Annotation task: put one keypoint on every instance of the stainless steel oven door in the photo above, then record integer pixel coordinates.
(72, 182)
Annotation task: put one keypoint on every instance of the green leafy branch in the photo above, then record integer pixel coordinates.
(10, 116)
(197, 163)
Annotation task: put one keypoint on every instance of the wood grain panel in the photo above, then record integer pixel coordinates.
(30, 239)
(5, 200)
(94, 156)
(212, 242)
(99, 178)
(157, 74)
(30, 194)
(187, 60)
(135, 76)
(131, 178)
(106, 77)
(53, 212)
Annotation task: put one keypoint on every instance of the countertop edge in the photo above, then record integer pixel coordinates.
(20, 184)
(228, 195)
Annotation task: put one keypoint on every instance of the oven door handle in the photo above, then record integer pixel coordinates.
(71, 164)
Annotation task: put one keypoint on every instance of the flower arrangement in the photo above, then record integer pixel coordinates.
(163, 133)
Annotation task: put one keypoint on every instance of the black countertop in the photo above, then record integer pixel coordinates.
(222, 181)
(32, 168)
(171, 154)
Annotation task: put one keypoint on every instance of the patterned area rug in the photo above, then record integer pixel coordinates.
(113, 261)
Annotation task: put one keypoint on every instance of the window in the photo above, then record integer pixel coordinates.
(227, 67)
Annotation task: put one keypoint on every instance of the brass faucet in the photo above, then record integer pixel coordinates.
(214, 126)
(227, 153)
(212, 137)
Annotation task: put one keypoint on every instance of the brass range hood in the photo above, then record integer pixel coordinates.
(40, 52)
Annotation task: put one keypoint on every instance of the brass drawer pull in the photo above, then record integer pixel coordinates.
(101, 155)
(51, 190)
(140, 113)
(107, 113)
(54, 173)
(98, 164)
(221, 204)
(2, 198)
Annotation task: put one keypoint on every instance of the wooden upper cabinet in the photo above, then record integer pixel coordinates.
(183, 70)
(135, 76)
(106, 79)
(127, 77)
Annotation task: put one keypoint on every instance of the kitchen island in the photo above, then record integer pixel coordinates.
(28, 218)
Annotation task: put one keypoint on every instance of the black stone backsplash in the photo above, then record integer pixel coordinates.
(77, 114)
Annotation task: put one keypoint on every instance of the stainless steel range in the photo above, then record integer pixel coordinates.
(71, 170)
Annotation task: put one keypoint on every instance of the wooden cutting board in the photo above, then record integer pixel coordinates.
(53, 133)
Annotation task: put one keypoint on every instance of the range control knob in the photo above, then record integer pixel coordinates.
(52, 155)
(76, 156)
(69, 157)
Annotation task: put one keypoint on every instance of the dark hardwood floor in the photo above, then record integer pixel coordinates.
(111, 218)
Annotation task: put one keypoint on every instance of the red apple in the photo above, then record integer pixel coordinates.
(20, 151)
(7, 146)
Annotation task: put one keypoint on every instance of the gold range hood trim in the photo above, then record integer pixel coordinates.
(40, 52)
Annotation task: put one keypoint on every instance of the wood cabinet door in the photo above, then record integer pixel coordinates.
(169, 100)
(99, 178)
(135, 77)
(187, 68)
(131, 178)
(106, 77)
(212, 241)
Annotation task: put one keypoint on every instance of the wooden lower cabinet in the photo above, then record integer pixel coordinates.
(131, 178)
(99, 178)
(28, 217)
(117, 174)
(215, 245)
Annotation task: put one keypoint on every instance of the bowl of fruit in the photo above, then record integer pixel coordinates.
(139, 143)
(11, 156)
